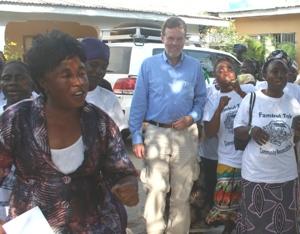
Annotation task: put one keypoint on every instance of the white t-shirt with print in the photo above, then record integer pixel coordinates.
(292, 89)
(275, 161)
(227, 154)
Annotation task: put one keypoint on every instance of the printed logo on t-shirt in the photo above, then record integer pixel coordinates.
(278, 131)
(228, 123)
(280, 134)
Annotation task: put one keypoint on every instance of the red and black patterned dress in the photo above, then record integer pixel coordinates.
(80, 202)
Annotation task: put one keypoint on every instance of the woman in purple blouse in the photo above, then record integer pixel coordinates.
(69, 156)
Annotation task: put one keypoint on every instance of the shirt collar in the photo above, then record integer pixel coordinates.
(166, 58)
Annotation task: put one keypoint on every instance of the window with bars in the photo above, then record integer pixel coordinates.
(279, 37)
(284, 37)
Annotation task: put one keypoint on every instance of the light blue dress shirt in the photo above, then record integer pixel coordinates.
(165, 93)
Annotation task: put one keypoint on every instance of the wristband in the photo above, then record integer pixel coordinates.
(250, 130)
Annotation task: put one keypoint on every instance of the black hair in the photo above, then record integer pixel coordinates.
(224, 59)
(17, 62)
(48, 51)
(249, 62)
(173, 22)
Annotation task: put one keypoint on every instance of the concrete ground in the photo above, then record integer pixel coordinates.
(136, 224)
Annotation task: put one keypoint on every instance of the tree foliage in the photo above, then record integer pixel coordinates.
(226, 38)
(255, 49)
(289, 48)
(12, 51)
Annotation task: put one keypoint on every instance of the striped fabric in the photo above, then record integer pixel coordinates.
(227, 195)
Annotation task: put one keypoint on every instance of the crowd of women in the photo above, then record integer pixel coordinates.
(256, 188)
(67, 156)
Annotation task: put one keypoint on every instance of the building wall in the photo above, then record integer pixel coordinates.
(19, 34)
(271, 24)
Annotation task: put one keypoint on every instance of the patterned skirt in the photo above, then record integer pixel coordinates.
(227, 195)
(268, 208)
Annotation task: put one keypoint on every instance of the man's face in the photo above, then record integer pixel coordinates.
(96, 70)
(174, 39)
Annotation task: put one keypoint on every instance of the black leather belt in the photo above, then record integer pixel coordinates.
(161, 125)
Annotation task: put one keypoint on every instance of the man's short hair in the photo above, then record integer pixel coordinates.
(173, 22)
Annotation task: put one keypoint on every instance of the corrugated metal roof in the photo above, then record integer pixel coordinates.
(110, 5)
(95, 4)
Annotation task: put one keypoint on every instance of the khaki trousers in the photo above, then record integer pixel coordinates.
(170, 163)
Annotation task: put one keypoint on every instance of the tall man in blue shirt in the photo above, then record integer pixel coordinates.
(170, 95)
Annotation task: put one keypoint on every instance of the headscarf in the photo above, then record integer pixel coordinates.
(95, 49)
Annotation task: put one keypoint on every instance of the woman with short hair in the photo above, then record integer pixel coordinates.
(69, 156)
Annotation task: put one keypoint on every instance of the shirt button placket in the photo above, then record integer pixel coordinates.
(65, 204)
(67, 179)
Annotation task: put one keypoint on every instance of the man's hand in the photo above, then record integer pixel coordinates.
(183, 123)
(139, 150)
(126, 190)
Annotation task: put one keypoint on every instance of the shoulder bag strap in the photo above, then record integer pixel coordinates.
(252, 101)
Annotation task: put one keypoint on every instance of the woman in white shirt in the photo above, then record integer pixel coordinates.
(219, 114)
(269, 171)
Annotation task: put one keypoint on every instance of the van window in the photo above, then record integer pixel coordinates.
(157, 51)
(207, 59)
(119, 60)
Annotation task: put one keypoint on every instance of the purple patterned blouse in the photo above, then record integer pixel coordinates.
(79, 202)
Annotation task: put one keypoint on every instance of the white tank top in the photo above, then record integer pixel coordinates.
(68, 159)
